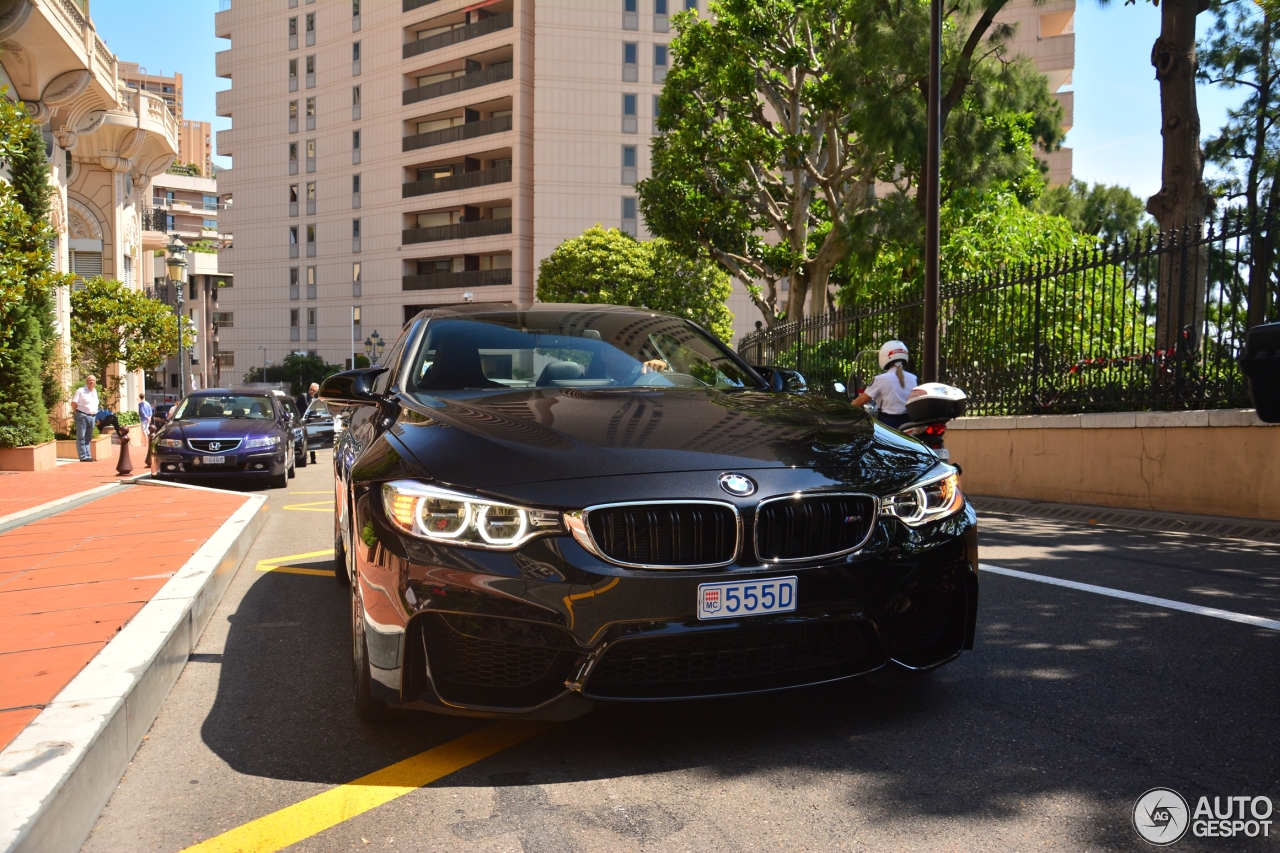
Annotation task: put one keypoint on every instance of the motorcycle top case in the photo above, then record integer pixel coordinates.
(934, 401)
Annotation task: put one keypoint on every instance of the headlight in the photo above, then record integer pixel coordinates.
(269, 441)
(441, 515)
(169, 442)
(935, 497)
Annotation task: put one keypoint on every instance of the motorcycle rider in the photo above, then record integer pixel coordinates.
(889, 390)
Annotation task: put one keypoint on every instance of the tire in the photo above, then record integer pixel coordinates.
(369, 708)
(300, 459)
(281, 480)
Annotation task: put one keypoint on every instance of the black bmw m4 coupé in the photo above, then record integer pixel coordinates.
(542, 509)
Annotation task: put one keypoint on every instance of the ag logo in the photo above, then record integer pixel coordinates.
(738, 485)
(1161, 816)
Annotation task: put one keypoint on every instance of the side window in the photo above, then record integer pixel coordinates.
(392, 358)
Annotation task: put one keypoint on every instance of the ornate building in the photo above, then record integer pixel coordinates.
(105, 144)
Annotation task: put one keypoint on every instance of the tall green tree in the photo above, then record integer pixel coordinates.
(1111, 213)
(778, 118)
(112, 323)
(27, 281)
(1241, 51)
(606, 266)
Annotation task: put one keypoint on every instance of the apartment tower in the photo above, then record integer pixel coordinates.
(385, 156)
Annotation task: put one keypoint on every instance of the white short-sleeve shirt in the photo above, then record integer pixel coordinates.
(889, 396)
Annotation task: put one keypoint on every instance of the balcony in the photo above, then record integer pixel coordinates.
(222, 23)
(222, 103)
(460, 231)
(493, 74)
(222, 139)
(466, 180)
(456, 36)
(470, 130)
(222, 64)
(410, 5)
(470, 278)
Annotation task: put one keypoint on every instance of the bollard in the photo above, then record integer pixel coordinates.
(125, 465)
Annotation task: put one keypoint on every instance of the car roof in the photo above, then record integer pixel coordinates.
(481, 309)
(239, 392)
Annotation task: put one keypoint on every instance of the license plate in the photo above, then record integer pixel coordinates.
(943, 453)
(214, 460)
(730, 599)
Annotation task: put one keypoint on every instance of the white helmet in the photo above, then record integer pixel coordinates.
(892, 351)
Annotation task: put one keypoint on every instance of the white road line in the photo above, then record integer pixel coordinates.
(1243, 618)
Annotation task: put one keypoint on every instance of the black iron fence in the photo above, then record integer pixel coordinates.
(1153, 325)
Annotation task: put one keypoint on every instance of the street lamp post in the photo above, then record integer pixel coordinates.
(176, 262)
(373, 346)
(932, 200)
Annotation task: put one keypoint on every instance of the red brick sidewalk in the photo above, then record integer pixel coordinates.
(70, 582)
(21, 490)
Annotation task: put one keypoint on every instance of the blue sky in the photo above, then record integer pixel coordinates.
(1116, 136)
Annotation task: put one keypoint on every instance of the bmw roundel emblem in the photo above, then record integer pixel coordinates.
(738, 485)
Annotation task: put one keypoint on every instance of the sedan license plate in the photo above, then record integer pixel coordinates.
(732, 599)
(213, 460)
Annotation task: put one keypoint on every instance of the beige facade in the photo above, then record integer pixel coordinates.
(195, 145)
(1045, 33)
(106, 142)
(462, 109)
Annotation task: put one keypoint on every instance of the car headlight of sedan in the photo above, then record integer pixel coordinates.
(450, 517)
(936, 496)
(169, 442)
(268, 441)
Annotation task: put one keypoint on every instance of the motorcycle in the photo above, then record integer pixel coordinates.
(930, 406)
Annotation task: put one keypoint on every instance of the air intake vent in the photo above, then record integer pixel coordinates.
(665, 535)
(811, 527)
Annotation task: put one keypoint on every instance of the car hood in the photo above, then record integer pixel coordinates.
(489, 440)
(221, 428)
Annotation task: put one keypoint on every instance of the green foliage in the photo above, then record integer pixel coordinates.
(1112, 213)
(361, 361)
(129, 417)
(202, 247)
(112, 323)
(190, 169)
(778, 119)
(606, 266)
(28, 346)
(298, 370)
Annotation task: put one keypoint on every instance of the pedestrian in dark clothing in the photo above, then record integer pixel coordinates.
(304, 403)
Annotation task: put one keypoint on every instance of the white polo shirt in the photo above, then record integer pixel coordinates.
(85, 401)
(891, 397)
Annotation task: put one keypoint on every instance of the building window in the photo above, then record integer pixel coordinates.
(629, 165)
(629, 121)
(211, 202)
(627, 6)
(211, 225)
(630, 58)
(224, 319)
(355, 323)
(311, 233)
(293, 116)
(355, 51)
(293, 75)
(355, 96)
(355, 279)
(630, 20)
(691, 4)
(293, 324)
(355, 139)
(293, 199)
(659, 7)
(355, 8)
(355, 183)
(128, 272)
(293, 26)
(659, 63)
(311, 71)
(311, 324)
(227, 359)
(311, 282)
(293, 283)
(311, 22)
(293, 235)
(311, 198)
(655, 113)
(629, 224)
(355, 229)
(311, 155)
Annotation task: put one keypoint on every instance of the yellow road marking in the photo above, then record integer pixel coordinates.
(316, 814)
(272, 564)
(313, 506)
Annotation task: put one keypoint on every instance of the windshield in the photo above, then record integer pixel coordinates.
(580, 349)
(318, 410)
(224, 406)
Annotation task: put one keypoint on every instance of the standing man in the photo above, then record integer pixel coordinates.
(144, 415)
(304, 403)
(85, 404)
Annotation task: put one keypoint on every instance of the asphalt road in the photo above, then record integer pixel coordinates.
(1072, 705)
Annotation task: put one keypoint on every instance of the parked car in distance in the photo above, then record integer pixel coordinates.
(296, 428)
(225, 433)
(540, 509)
(319, 423)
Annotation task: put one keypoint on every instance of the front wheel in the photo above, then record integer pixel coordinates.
(369, 708)
(281, 480)
(340, 572)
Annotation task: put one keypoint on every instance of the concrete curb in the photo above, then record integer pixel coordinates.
(58, 773)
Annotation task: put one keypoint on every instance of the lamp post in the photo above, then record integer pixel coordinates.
(932, 198)
(176, 262)
(373, 346)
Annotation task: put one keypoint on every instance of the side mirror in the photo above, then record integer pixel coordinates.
(1260, 363)
(771, 375)
(352, 387)
(837, 390)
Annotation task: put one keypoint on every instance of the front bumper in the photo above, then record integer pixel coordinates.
(166, 462)
(549, 629)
